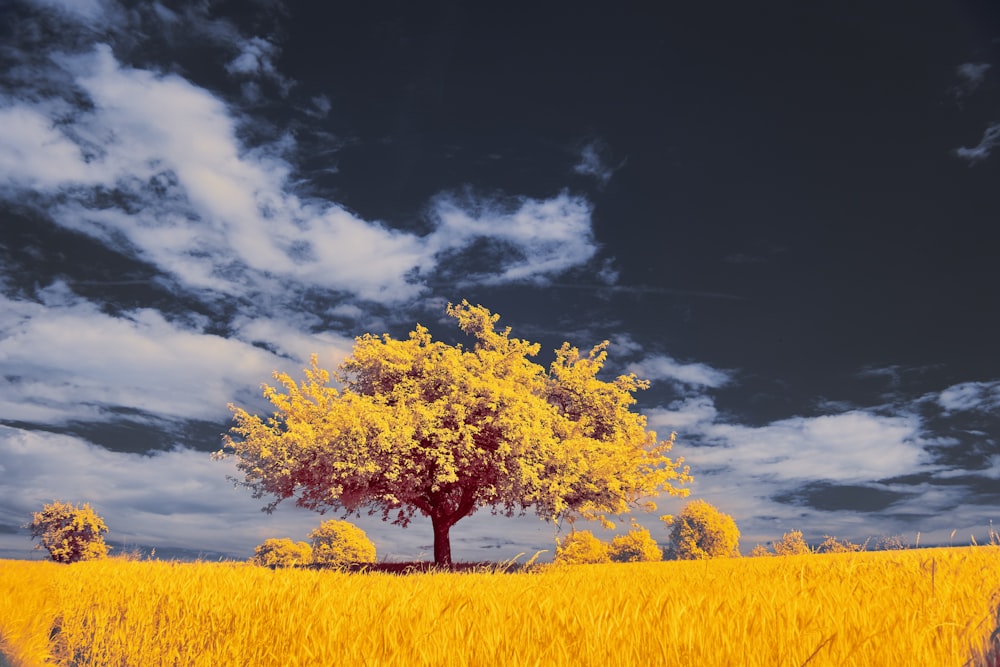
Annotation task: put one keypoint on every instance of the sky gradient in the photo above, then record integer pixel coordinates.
(784, 218)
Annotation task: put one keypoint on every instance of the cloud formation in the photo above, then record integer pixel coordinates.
(138, 360)
(592, 162)
(856, 473)
(971, 76)
(978, 396)
(663, 367)
(982, 150)
(527, 240)
(155, 166)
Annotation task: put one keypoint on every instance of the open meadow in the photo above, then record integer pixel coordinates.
(934, 607)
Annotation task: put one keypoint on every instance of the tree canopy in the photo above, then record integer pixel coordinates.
(70, 533)
(282, 552)
(418, 425)
(340, 543)
(701, 531)
(582, 547)
(635, 546)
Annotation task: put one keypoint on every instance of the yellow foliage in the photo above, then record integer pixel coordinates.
(926, 608)
(831, 545)
(701, 531)
(791, 544)
(282, 552)
(635, 546)
(422, 426)
(69, 533)
(340, 543)
(581, 547)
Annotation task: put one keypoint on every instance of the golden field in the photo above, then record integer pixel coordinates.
(934, 607)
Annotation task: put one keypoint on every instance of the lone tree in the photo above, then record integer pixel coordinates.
(444, 430)
(69, 533)
(701, 531)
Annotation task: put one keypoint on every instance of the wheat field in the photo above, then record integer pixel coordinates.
(934, 607)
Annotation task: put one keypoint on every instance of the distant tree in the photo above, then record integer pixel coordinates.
(702, 531)
(421, 426)
(338, 543)
(759, 550)
(282, 552)
(69, 533)
(635, 546)
(791, 544)
(831, 545)
(581, 547)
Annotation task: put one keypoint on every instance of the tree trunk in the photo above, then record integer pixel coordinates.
(442, 540)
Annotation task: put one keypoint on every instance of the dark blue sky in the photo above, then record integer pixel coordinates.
(784, 217)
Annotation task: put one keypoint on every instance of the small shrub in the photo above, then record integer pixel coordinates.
(890, 543)
(69, 533)
(701, 531)
(581, 547)
(760, 550)
(791, 544)
(831, 545)
(339, 543)
(634, 547)
(282, 552)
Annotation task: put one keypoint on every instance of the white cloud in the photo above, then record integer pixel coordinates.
(854, 446)
(35, 155)
(687, 415)
(255, 58)
(220, 217)
(663, 367)
(624, 344)
(89, 359)
(291, 339)
(971, 75)
(591, 163)
(256, 61)
(534, 239)
(365, 258)
(982, 396)
(991, 138)
(230, 209)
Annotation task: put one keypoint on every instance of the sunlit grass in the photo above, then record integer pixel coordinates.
(923, 607)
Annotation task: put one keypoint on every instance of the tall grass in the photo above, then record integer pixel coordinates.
(929, 607)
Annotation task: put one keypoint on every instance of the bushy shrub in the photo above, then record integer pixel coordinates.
(635, 546)
(581, 547)
(339, 543)
(701, 531)
(831, 545)
(759, 550)
(791, 544)
(282, 552)
(890, 543)
(69, 533)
